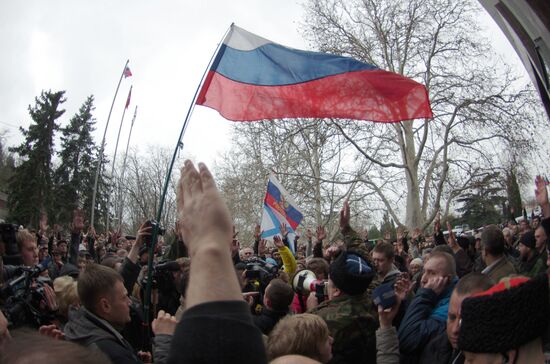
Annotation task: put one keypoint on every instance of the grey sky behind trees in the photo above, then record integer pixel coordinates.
(81, 47)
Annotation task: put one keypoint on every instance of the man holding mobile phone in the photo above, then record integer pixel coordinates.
(426, 315)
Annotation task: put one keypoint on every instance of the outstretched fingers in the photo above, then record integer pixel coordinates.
(206, 178)
(191, 180)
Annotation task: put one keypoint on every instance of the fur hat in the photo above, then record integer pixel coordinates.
(351, 273)
(507, 316)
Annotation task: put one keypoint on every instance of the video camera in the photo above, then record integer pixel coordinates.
(261, 271)
(305, 282)
(168, 288)
(25, 297)
(163, 279)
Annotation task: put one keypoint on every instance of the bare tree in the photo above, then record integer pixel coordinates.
(306, 156)
(142, 186)
(418, 168)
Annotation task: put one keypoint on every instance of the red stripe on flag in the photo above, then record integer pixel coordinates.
(373, 95)
(275, 205)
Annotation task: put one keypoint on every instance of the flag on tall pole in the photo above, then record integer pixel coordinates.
(127, 72)
(253, 78)
(279, 209)
(107, 222)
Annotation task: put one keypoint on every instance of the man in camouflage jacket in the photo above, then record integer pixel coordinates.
(349, 311)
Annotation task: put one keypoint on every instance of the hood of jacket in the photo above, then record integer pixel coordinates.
(86, 328)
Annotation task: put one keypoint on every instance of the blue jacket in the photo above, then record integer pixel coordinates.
(423, 321)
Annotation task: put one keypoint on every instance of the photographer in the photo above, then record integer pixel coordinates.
(29, 299)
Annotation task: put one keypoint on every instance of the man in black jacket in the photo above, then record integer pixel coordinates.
(105, 310)
(277, 297)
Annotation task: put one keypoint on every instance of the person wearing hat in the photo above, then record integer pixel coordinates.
(531, 262)
(348, 310)
(505, 323)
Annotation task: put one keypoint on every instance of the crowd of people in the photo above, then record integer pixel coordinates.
(427, 297)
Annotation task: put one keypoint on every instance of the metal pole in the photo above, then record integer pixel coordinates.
(121, 201)
(147, 300)
(114, 160)
(101, 150)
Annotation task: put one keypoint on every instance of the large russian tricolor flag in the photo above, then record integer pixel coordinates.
(252, 78)
(279, 208)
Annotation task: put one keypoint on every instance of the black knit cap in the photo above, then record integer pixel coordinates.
(351, 273)
(505, 317)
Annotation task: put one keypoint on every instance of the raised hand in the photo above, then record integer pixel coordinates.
(143, 234)
(257, 232)
(164, 324)
(203, 214)
(262, 247)
(345, 217)
(403, 286)
(284, 230)
(43, 224)
(235, 247)
(78, 221)
(278, 242)
(321, 233)
(451, 240)
(541, 195)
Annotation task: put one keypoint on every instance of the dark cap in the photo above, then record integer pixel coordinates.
(528, 239)
(351, 273)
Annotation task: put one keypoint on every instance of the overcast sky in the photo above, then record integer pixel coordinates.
(81, 47)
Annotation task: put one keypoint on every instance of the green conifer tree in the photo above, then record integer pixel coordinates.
(74, 175)
(30, 188)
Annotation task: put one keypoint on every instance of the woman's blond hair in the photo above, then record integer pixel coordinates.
(301, 334)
